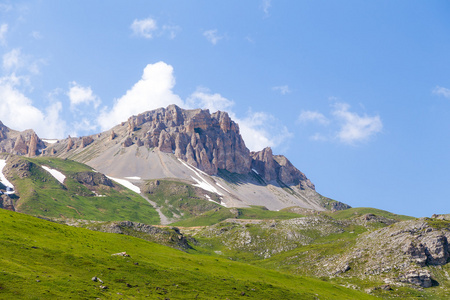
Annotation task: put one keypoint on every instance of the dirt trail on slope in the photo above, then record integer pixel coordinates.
(163, 218)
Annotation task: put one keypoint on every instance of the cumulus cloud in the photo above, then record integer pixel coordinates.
(3, 31)
(313, 116)
(152, 91)
(283, 89)
(212, 36)
(81, 95)
(155, 90)
(355, 128)
(18, 112)
(442, 91)
(144, 28)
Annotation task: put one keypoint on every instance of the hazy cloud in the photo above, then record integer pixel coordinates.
(81, 95)
(3, 31)
(265, 5)
(13, 60)
(442, 91)
(312, 116)
(144, 28)
(212, 36)
(202, 98)
(283, 89)
(353, 127)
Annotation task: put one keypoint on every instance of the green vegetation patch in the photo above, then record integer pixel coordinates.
(45, 260)
(360, 211)
(42, 195)
(180, 200)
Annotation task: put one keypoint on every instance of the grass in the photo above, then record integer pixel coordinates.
(180, 200)
(42, 195)
(45, 260)
(217, 215)
(359, 211)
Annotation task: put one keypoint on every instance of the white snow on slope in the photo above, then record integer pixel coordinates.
(201, 182)
(126, 184)
(49, 141)
(55, 173)
(221, 186)
(133, 178)
(3, 180)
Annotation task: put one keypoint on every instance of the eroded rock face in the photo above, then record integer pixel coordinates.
(278, 167)
(93, 179)
(206, 141)
(25, 143)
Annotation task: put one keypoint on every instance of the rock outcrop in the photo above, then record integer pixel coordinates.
(25, 143)
(207, 141)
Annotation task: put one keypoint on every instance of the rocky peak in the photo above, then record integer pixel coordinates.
(207, 141)
(21, 143)
(278, 167)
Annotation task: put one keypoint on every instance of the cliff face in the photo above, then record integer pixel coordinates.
(25, 143)
(208, 142)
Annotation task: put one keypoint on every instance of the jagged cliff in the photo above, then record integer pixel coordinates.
(25, 143)
(206, 141)
(176, 143)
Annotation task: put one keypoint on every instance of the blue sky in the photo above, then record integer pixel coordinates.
(355, 93)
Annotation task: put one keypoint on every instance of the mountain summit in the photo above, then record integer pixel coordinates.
(203, 148)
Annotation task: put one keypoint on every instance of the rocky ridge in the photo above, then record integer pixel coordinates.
(207, 141)
(25, 143)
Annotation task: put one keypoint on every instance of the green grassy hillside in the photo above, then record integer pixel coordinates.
(45, 260)
(222, 213)
(40, 194)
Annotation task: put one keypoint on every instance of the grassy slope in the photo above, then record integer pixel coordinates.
(359, 211)
(42, 195)
(178, 199)
(255, 212)
(44, 260)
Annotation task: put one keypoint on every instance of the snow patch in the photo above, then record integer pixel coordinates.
(255, 171)
(49, 141)
(55, 173)
(201, 182)
(133, 178)
(126, 184)
(221, 186)
(3, 180)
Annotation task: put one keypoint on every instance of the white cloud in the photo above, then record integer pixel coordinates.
(82, 95)
(201, 98)
(12, 60)
(152, 91)
(17, 111)
(144, 28)
(260, 130)
(265, 5)
(442, 91)
(3, 31)
(355, 128)
(283, 89)
(312, 116)
(212, 36)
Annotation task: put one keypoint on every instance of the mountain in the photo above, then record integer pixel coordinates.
(197, 147)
